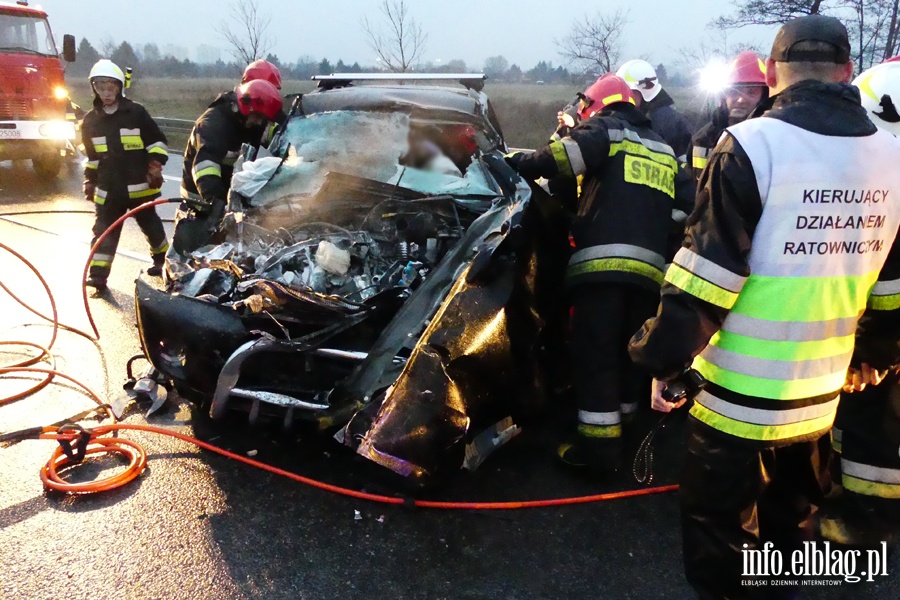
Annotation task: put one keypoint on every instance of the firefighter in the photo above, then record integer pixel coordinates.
(125, 151)
(764, 299)
(658, 105)
(629, 184)
(866, 433)
(745, 88)
(233, 119)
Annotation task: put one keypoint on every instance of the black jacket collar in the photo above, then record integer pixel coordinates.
(662, 99)
(823, 108)
(627, 112)
(124, 104)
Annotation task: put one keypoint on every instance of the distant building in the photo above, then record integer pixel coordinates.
(177, 52)
(208, 54)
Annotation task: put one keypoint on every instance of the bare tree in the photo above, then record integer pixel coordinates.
(712, 47)
(873, 30)
(400, 41)
(247, 32)
(594, 44)
(107, 47)
(770, 12)
(873, 24)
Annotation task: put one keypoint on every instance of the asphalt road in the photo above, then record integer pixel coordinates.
(196, 525)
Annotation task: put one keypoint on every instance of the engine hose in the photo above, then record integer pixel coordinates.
(95, 444)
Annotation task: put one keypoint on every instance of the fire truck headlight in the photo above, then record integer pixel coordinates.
(61, 93)
(57, 130)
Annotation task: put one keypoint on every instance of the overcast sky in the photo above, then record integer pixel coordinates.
(523, 31)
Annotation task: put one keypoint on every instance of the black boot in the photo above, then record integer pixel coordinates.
(158, 261)
(96, 282)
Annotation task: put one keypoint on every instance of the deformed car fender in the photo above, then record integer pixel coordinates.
(475, 362)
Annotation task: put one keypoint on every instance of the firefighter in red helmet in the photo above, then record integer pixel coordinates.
(630, 183)
(745, 87)
(262, 69)
(233, 119)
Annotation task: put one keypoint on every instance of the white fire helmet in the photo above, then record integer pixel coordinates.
(107, 68)
(641, 76)
(879, 89)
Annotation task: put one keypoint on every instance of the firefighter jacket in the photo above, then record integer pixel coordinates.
(705, 139)
(673, 126)
(213, 148)
(119, 147)
(792, 239)
(631, 180)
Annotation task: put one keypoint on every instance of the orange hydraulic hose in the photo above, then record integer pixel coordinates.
(103, 236)
(21, 367)
(56, 373)
(133, 471)
(55, 319)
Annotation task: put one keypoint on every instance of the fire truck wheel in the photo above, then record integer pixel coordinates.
(47, 167)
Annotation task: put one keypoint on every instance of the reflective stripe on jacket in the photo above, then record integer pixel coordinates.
(119, 148)
(791, 250)
(213, 148)
(790, 331)
(630, 178)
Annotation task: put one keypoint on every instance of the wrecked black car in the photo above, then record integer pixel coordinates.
(383, 274)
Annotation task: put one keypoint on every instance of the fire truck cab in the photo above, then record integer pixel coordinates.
(37, 119)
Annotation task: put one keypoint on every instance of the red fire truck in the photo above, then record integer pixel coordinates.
(37, 120)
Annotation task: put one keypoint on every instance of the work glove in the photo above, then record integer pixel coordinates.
(89, 188)
(513, 159)
(154, 175)
(199, 206)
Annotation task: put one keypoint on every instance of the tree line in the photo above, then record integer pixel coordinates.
(148, 61)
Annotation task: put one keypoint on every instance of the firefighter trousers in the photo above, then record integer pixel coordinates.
(737, 495)
(107, 214)
(607, 383)
(866, 434)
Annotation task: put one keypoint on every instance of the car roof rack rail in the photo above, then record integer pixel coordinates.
(472, 81)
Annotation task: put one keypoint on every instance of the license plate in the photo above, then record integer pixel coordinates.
(10, 133)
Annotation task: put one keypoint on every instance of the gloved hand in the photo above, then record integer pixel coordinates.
(89, 188)
(154, 175)
(513, 158)
(201, 207)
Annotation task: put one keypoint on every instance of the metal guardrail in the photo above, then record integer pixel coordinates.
(182, 125)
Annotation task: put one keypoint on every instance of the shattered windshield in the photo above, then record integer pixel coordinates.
(381, 146)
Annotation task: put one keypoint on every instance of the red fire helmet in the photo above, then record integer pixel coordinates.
(607, 90)
(747, 69)
(264, 70)
(259, 96)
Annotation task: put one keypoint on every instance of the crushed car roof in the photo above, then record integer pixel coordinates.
(389, 97)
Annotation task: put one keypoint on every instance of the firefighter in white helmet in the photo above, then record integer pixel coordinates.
(125, 151)
(658, 105)
(866, 432)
